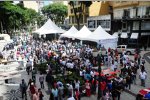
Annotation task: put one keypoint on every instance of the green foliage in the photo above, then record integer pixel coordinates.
(56, 11)
(16, 17)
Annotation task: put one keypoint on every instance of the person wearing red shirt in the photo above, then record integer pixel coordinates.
(88, 88)
(32, 89)
(103, 86)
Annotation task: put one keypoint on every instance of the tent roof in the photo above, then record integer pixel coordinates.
(48, 28)
(70, 32)
(100, 34)
(82, 34)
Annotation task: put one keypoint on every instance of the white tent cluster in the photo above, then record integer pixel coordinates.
(99, 36)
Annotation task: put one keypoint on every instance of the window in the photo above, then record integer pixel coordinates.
(147, 10)
(123, 46)
(103, 23)
(126, 13)
(79, 9)
(72, 19)
(91, 24)
(136, 25)
(119, 47)
(71, 10)
(145, 25)
(124, 25)
(85, 18)
(81, 19)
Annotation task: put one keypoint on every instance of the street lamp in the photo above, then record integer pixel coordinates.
(99, 78)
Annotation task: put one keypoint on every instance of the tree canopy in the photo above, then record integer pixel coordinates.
(16, 17)
(56, 12)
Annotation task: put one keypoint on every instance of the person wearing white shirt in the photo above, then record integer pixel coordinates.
(71, 98)
(143, 76)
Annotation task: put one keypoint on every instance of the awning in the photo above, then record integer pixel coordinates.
(145, 34)
(134, 35)
(115, 34)
(124, 35)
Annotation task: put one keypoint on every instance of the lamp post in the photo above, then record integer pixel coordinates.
(99, 78)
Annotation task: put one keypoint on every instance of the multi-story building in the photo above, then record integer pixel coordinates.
(99, 15)
(93, 16)
(132, 19)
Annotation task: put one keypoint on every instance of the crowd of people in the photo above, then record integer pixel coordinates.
(73, 57)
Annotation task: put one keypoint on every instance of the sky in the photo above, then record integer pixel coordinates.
(47, 2)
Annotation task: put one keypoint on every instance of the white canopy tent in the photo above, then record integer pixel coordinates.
(115, 34)
(103, 38)
(49, 28)
(70, 32)
(82, 34)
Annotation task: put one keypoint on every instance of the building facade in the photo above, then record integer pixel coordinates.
(129, 19)
(99, 15)
(96, 14)
(132, 17)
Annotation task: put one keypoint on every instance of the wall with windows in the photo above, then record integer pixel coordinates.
(104, 21)
(132, 12)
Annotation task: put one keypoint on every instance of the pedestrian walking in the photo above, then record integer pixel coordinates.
(88, 88)
(34, 75)
(55, 93)
(61, 92)
(23, 88)
(28, 67)
(41, 80)
(40, 94)
(143, 76)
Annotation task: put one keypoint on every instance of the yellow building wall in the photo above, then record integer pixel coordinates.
(94, 9)
(99, 8)
(125, 4)
(144, 3)
(104, 8)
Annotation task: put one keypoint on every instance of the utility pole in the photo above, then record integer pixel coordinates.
(99, 78)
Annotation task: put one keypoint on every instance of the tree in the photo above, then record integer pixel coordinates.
(16, 17)
(56, 12)
(83, 4)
